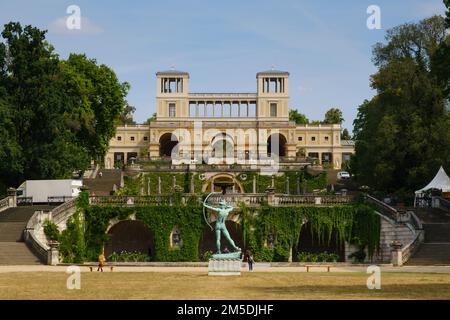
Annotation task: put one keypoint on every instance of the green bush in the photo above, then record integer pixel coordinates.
(125, 256)
(51, 230)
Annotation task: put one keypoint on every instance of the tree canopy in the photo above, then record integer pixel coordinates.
(55, 115)
(297, 117)
(333, 116)
(403, 133)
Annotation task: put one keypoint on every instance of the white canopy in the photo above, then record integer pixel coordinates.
(441, 181)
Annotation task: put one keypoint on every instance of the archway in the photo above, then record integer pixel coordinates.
(213, 184)
(167, 143)
(309, 242)
(130, 236)
(272, 142)
(208, 239)
(222, 146)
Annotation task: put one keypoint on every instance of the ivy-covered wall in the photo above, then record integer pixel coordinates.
(263, 182)
(159, 219)
(134, 185)
(356, 223)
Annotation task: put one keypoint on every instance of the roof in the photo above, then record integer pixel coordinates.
(172, 72)
(441, 182)
(272, 72)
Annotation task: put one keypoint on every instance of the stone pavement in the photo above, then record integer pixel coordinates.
(257, 268)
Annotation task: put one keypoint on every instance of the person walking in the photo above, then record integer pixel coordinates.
(101, 262)
(250, 261)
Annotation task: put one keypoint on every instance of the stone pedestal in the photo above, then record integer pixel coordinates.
(229, 267)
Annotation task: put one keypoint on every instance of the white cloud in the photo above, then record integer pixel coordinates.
(87, 27)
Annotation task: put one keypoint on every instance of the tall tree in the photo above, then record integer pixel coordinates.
(126, 118)
(403, 134)
(345, 135)
(54, 115)
(333, 116)
(297, 117)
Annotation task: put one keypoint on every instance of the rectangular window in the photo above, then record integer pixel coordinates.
(172, 110)
(300, 138)
(119, 138)
(132, 138)
(313, 138)
(273, 109)
(326, 139)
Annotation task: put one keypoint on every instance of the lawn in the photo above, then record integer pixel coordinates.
(167, 285)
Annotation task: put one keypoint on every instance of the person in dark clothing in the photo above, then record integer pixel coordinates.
(250, 261)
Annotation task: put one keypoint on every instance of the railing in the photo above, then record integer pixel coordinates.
(254, 199)
(235, 199)
(61, 212)
(36, 246)
(441, 203)
(411, 248)
(24, 201)
(384, 208)
(59, 199)
(312, 199)
(4, 203)
(132, 200)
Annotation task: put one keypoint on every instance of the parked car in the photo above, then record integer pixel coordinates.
(343, 175)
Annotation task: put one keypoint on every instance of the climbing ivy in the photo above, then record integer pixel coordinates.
(160, 219)
(265, 181)
(356, 223)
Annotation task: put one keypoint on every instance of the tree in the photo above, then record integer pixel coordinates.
(345, 135)
(333, 116)
(152, 118)
(126, 118)
(403, 133)
(297, 117)
(55, 116)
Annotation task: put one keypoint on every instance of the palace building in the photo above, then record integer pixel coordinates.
(242, 128)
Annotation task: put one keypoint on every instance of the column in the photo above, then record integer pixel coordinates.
(221, 109)
(159, 185)
(287, 185)
(254, 184)
(298, 185)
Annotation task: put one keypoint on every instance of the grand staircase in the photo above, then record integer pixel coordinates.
(103, 183)
(13, 250)
(435, 250)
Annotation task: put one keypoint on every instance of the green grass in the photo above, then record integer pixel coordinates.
(195, 285)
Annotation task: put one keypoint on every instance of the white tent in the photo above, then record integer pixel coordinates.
(441, 182)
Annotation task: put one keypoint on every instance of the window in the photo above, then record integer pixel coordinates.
(132, 138)
(119, 138)
(300, 138)
(273, 109)
(145, 138)
(327, 138)
(313, 138)
(172, 110)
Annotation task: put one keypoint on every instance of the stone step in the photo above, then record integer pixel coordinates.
(431, 254)
(11, 231)
(16, 253)
(437, 232)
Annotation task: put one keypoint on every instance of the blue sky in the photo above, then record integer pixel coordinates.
(325, 45)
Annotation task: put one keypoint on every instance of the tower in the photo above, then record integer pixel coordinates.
(172, 89)
(273, 95)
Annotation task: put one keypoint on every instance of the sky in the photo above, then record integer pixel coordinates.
(325, 45)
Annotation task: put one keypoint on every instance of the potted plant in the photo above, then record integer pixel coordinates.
(396, 244)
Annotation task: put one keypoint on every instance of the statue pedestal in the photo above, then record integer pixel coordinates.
(224, 267)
